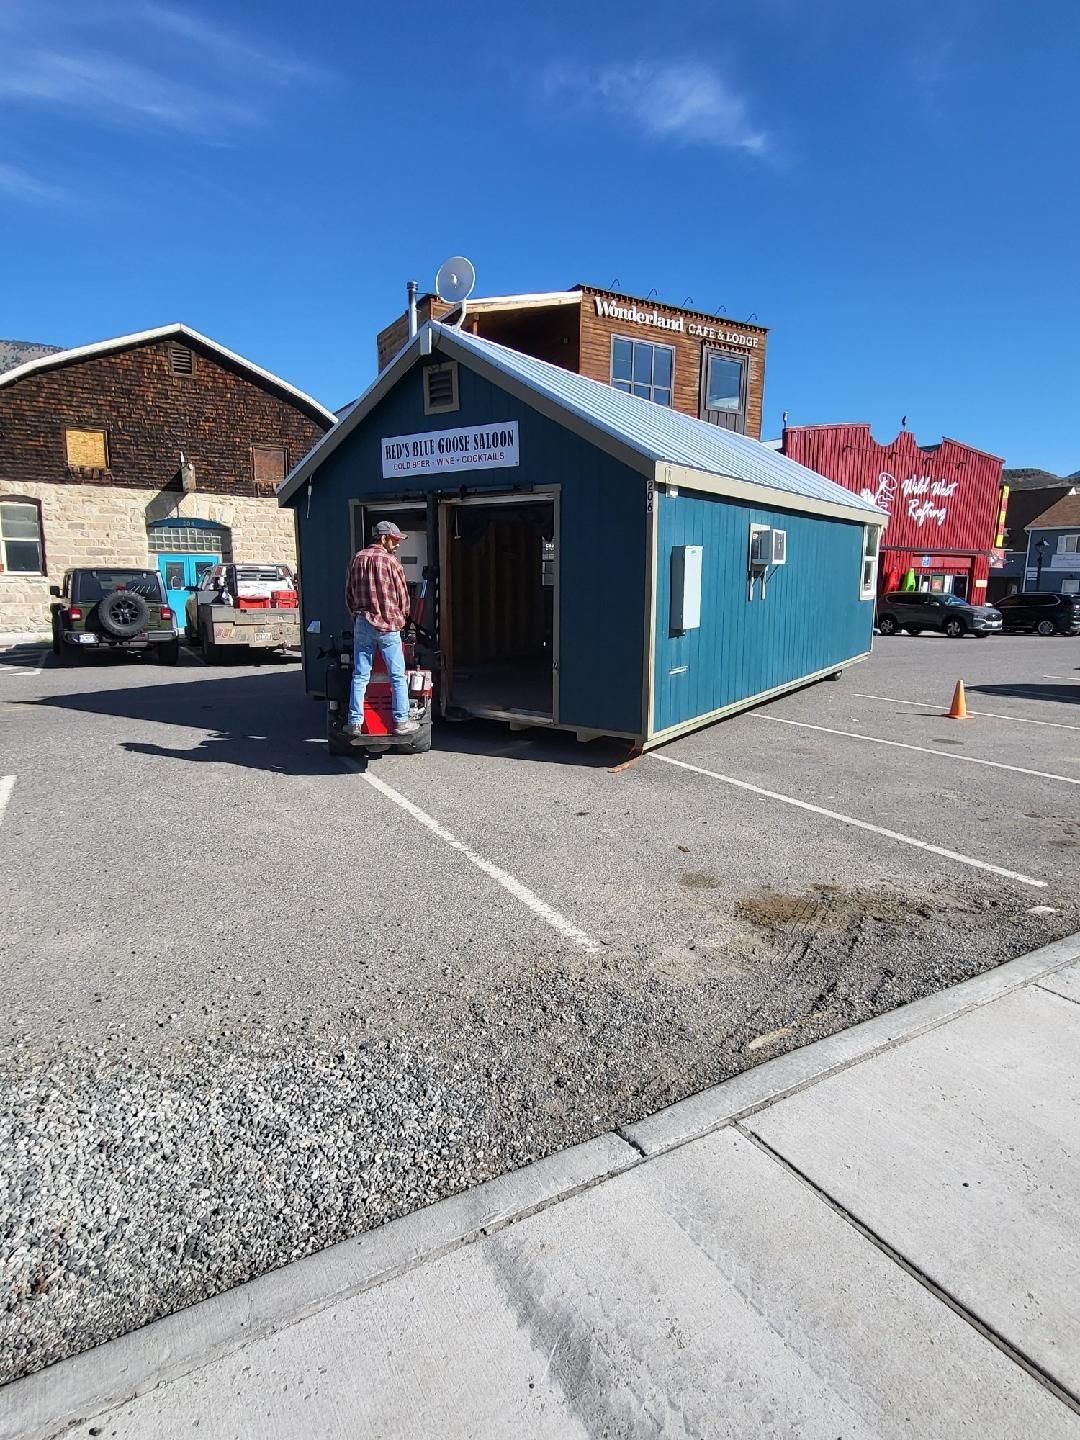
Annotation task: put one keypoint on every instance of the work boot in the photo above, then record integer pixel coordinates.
(407, 727)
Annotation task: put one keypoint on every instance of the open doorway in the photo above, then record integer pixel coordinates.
(501, 569)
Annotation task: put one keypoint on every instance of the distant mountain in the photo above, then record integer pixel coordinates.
(1032, 480)
(17, 352)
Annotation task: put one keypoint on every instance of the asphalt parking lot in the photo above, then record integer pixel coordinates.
(259, 1000)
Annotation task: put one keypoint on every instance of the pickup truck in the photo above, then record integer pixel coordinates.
(254, 605)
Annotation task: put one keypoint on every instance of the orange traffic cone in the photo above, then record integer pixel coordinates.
(958, 708)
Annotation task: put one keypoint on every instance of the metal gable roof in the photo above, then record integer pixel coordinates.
(660, 433)
(639, 427)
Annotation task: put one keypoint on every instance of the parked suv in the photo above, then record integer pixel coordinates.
(113, 609)
(1042, 612)
(918, 610)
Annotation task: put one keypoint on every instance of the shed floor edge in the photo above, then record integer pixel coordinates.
(685, 727)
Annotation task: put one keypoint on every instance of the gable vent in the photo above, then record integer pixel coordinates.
(440, 388)
(181, 360)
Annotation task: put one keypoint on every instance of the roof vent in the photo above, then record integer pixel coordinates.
(440, 388)
(181, 360)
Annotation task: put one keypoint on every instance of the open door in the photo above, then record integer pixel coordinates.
(499, 621)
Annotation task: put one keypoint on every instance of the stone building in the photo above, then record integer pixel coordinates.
(160, 449)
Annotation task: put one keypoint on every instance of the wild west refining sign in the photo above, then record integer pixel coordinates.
(923, 499)
(477, 447)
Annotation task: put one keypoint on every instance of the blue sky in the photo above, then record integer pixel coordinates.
(890, 185)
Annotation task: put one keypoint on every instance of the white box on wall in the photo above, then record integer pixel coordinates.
(686, 587)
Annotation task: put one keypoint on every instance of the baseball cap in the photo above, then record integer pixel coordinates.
(387, 527)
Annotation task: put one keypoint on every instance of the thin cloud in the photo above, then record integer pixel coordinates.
(683, 101)
(117, 89)
(137, 63)
(16, 184)
(223, 46)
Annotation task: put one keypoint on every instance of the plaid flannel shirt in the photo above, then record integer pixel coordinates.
(376, 589)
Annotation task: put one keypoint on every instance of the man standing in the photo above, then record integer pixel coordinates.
(378, 599)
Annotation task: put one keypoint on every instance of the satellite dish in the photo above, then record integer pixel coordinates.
(454, 281)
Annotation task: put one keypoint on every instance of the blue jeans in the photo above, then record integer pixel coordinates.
(366, 640)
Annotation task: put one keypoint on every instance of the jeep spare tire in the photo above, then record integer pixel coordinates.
(123, 614)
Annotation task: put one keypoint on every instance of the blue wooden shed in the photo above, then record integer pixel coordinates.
(592, 561)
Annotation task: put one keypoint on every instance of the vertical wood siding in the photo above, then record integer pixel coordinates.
(851, 456)
(597, 330)
(602, 538)
(811, 617)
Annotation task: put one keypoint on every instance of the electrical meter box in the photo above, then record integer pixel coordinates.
(685, 587)
(768, 547)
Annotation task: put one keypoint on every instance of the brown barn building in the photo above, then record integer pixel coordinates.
(158, 449)
(713, 369)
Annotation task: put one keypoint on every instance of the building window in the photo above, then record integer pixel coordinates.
(641, 368)
(440, 388)
(870, 545)
(20, 538)
(186, 539)
(181, 360)
(1069, 544)
(268, 465)
(724, 383)
(87, 449)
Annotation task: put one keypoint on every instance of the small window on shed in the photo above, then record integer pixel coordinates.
(440, 388)
(268, 464)
(86, 449)
(871, 543)
(181, 360)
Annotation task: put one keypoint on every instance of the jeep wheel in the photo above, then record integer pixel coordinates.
(169, 653)
(123, 614)
(57, 643)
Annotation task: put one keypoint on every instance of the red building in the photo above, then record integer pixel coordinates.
(945, 501)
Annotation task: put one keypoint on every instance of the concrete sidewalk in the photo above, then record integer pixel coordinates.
(874, 1236)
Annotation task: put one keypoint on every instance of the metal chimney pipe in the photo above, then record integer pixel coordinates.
(411, 288)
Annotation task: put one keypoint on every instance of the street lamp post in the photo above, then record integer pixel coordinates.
(1041, 547)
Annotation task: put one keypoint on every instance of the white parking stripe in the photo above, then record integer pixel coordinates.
(922, 749)
(34, 664)
(851, 820)
(566, 928)
(7, 785)
(986, 714)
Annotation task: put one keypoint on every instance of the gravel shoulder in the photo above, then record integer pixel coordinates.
(136, 1185)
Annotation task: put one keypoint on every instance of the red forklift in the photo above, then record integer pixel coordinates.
(421, 663)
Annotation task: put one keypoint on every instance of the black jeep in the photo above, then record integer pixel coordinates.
(112, 609)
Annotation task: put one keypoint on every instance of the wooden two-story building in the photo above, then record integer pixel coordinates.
(699, 364)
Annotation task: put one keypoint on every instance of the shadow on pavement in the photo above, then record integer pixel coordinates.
(262, 722)
(23, 656)
(266, 722)
(1068, 694)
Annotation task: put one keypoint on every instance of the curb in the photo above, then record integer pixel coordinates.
(39, 1406)
(49, 1401)
(752, 1090)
